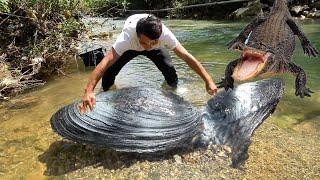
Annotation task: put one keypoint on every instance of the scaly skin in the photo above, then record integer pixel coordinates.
(274, 34)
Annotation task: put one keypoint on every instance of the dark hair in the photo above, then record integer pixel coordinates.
(150, 26)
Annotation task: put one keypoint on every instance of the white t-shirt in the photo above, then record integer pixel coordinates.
(128, 38)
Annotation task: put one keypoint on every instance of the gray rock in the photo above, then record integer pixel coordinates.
(305, 13)
(313, 10)
(315, 14)
(177, 158)
(252, 9)
(298, 10)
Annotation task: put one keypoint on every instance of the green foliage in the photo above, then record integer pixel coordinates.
(221, 11)
(4, 6)
(98, 4)
(70, 27)
(95, 3)
(47, 5)
(102, 6)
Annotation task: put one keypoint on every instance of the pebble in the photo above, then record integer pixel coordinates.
(177, 158)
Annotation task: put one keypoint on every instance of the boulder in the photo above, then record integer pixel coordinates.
(314, 14)
(305, 13)
(252, 9)
(298, 10)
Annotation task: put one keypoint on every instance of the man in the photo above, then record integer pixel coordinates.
(142, 34)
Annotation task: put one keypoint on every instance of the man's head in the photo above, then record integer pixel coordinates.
(149, 30)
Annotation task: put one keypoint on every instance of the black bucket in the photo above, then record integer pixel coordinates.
(92, 57)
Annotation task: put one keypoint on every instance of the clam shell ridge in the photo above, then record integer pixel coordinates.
(135, 119)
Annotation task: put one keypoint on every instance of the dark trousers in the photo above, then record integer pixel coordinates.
(160, 57)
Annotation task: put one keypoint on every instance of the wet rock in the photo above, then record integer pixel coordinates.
(177, 158)
(305, 13)
(252, 9)
(101, 35)
(313, 10)
(314, 14)
(105, 35)
(222, 154)
(298, 10)
(227, 149)
(210, 153)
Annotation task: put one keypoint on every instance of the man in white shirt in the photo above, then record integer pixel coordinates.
(142, 34)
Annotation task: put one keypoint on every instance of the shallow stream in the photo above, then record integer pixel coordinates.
(286, 146)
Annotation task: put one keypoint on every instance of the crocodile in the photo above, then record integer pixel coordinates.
(266, 45)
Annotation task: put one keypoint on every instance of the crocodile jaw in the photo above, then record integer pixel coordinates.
(251, 64)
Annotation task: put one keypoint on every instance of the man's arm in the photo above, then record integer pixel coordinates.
(197, 67)
(88, 98)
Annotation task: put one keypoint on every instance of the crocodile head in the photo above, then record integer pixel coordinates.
(254, 63)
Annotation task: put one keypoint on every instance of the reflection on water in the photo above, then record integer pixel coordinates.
(29, 149)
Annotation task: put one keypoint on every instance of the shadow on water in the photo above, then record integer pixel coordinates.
(65, 156)
(16, 105)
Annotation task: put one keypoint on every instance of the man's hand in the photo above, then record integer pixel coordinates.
(197, 67)
(88, 99)
(211, 88)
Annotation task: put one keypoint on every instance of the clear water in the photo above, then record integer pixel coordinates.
(26, 134)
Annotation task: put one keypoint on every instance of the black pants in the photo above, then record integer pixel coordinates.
(160, 57)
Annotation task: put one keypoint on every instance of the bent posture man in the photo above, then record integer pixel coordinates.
(142, 34)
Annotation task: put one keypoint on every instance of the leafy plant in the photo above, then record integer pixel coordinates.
(4, 6)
